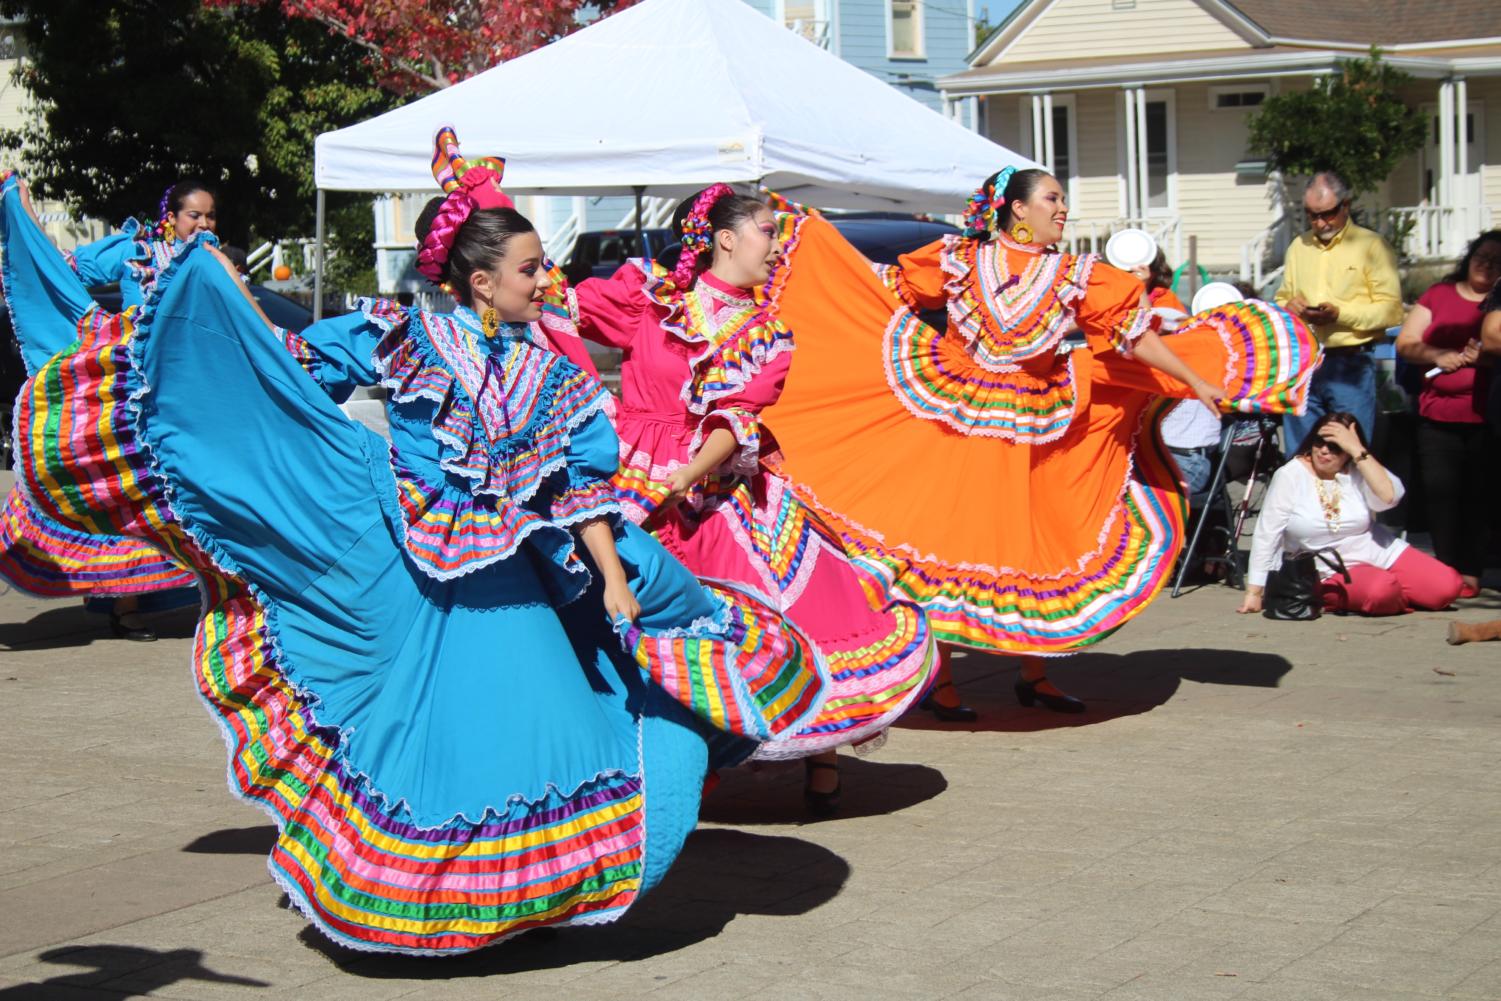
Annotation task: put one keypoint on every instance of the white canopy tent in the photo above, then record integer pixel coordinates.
(665, 98)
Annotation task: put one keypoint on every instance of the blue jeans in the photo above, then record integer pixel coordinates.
(1345, 381)
(1197, 470)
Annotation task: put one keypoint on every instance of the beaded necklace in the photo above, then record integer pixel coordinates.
(1328, 491)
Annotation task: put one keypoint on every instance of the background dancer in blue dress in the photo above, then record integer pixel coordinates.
(51, 313)
(138, 252)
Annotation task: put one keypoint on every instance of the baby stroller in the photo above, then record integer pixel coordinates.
(1249, 452)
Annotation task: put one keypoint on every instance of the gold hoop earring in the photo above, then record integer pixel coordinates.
(489, 321)
(1021, 233)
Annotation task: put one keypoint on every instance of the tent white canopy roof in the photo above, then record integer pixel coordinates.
(669, 96)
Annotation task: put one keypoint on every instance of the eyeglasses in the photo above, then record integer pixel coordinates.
(1328, 215)
(1329, 447)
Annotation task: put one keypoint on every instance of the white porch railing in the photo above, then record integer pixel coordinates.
(1429, 232)
(1265, 249)
(1090, 235)
(655, 213)
(559, 242)
(814, 31)
(273, 254)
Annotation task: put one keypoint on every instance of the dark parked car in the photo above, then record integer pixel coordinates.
(284, 312)
(881, 236)
(599, 253)
(885, 236)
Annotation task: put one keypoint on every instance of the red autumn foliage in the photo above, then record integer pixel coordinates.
(420, 45)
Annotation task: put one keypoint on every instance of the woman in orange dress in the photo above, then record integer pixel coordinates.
(1006, 479)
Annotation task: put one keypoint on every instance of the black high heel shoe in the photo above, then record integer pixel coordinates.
(821, 804)
(1027, 694)
(960, 713)
(140, 634)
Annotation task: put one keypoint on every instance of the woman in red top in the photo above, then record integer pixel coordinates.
(1457, 451)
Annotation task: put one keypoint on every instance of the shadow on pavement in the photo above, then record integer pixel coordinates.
(235, 841)
(1112, 685)
(73, 625)
(772, 793)
(64, 625)
(145, 971)
(720, 874)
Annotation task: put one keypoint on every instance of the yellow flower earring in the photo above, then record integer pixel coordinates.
(489, 321)
(1021, 233)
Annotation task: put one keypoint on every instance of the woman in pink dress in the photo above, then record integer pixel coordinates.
(701, 359)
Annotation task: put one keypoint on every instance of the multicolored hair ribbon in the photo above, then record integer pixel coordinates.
(981, 211)
(164, 229)
(469, 186)
(697, 232)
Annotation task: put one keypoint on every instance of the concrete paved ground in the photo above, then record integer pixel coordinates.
(1256, 810)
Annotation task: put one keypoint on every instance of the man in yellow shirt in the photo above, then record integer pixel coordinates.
(1341, 279)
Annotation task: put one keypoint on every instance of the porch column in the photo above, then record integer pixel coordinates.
(1131, 189)
(1047, 132)
(1445, 141)
(1464, 209)
(973, 103)
(1143, 196)
(1039, 141)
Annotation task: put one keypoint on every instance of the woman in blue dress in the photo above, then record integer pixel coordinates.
(135, 255)
(463, 724)
(51, 313)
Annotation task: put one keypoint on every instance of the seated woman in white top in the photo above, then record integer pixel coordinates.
(1326, 497)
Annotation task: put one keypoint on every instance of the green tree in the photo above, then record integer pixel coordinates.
(133, 95)
(1353, 122)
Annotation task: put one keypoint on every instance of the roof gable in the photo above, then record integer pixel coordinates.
(1105, 29)
(1053, 29)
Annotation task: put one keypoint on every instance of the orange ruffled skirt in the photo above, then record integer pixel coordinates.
(1021, 548)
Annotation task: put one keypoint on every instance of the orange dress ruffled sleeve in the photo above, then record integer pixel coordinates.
(1112, 312)
(918, 277)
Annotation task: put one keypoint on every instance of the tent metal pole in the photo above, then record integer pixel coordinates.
(318, 234)
(640, 190)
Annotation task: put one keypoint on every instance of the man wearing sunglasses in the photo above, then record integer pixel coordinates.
(1341, 279)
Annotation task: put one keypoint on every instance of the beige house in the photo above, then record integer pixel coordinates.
(65, 230)
(1140, 107)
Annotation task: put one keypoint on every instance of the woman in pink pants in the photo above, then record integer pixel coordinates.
(1327, 497)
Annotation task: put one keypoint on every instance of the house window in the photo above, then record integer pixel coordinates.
(1236, 98)
(1158, 156)
(1469, 129)
(905, 20)
(1063, 154)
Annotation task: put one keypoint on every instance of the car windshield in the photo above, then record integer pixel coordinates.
(282, 311)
